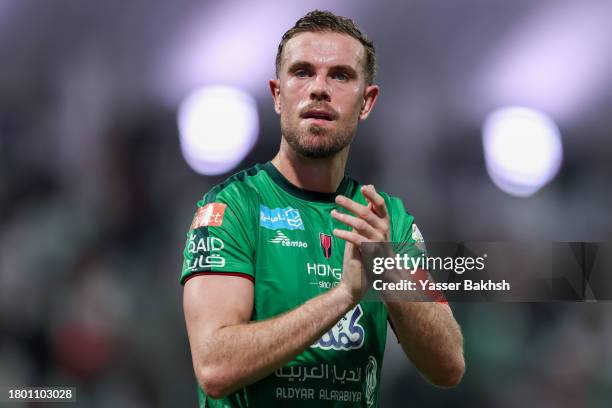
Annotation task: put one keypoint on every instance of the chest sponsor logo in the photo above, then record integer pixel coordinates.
(326, 244)
(283, 240)
(331, 373)
(347, 334)
(280, 218)
(323, 270)
(211, 215)
(298, 384)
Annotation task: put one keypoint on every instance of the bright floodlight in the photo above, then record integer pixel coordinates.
(218, 126)
(522, 149)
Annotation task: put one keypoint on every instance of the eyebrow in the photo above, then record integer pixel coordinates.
(299, 65)
(350, 71)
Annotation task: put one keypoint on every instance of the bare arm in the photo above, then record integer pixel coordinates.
(431, 338)
(230, 352)
(428, 332)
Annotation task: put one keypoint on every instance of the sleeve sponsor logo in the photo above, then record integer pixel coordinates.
(279, 218)
(211, 215)
(347, 334)
(204, 244)
(205, 251)
(203, 262)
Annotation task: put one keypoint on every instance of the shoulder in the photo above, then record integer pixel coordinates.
(240, 188)
(402, 221)
(236, 198)
(396, 207)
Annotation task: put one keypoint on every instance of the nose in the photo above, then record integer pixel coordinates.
(320, 90)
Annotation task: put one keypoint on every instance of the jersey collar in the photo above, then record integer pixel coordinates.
(307, 195)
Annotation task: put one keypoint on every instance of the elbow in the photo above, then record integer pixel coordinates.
(214, 381)
(451, 375)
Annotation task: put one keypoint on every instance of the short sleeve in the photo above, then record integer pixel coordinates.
(221, 239)
(404, 231)
(408, 239)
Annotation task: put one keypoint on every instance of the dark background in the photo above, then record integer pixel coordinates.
(96, 198)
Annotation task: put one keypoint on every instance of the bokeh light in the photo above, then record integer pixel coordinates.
(522, 149)
(218, 127)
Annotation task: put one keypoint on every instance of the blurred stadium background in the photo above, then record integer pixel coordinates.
(494, 123)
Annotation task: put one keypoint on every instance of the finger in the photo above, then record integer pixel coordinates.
(349, 236)
(348, 247)
(377, 204)
(377, 201)
(351, 251)
(359, 225)
(366, 213)
(361, 211)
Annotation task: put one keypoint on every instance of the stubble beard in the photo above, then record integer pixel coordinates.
(317, 142)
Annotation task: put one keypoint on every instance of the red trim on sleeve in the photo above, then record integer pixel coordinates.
(435, 295)
(239, 274)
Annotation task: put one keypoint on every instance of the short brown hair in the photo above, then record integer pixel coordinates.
(320, 21)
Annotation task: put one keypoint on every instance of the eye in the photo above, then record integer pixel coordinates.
(341, 76)
(302, 73)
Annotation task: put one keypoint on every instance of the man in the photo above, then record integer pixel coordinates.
(272, 268)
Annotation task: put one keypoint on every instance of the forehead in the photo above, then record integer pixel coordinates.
(324, 48)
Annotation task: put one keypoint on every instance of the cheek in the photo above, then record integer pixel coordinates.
(290, 94)
(295, 87)
(285, 101)
(351, 104)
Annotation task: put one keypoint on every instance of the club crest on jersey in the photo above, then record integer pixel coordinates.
(347, 334)
(326, 244)
(279, 218)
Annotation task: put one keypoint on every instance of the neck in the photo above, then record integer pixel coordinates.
(321, 175)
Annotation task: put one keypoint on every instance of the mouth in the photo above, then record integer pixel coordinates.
(318, 115)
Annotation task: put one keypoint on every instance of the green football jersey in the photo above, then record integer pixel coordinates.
(259, 226)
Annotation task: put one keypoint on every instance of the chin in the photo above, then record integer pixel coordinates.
(318, 150)
(318, 130)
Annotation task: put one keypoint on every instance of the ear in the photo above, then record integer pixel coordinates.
(370, 94)
(275, 90)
